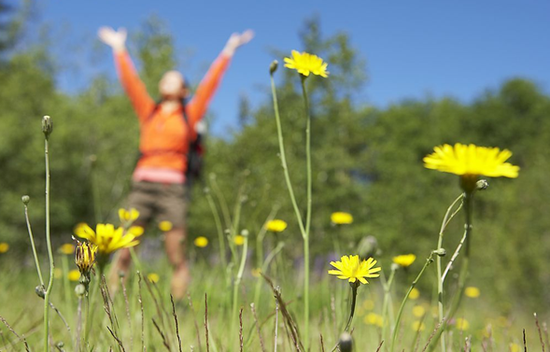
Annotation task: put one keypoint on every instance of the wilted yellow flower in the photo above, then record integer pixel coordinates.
(374, 319)
(341, 218)
(165, 226)
(153, 277)
(4, 247)
(306, 63)
(472, 292)
(107, 238)
(414, 294)
(418, 326)
(201, 242)
(514, 347)
(418, 311)
(352, 269)
(471, 160)
(404, 260)
(85, 256)
(74, 275)
(462, 324)
(128, 215)
(67, 248)
(238, 240)
(276, 225)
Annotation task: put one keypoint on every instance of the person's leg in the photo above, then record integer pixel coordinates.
(175, 249)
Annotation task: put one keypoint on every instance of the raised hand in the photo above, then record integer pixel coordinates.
(115, 39)
(236, 40)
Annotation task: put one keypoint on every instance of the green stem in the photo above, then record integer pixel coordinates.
(35, 255)
(405, 299)
(236, 285)
(264, 268)
(354, 287)
(221, 200)
(446, 221)
(50, 252)
(219, 228)
(387, 299)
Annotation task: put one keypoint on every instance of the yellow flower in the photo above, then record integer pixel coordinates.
(341, 218)
(165, 226)
(128, 215)
(85, 256)
(107, 238)
(276, 225)
(238, 240)
(464, 160)
(67, 248)
(4, 247)
(374, 319)
(404, 260)
(306, 63)
(74, 275)
(514, 347)
(472, 292)
(462, 324)
(418, 326)
(201, 242)
(418, 311)
(153, 277)
(350, 268)
(414, 294)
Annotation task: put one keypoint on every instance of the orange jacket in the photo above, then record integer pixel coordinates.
(164, 137)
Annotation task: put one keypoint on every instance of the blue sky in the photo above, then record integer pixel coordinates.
(413, 48)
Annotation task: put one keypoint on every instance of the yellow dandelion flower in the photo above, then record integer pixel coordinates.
(201, 241)
(404, 260)
(85, 256)
(341, 218)
(374, 319)
(472, 292)
(418, 311)
(74, 275)
(67, 248)
(368, 304)
(128, 215)
(165, 226)
(514, 347)
(462, 324)
(352, 269)
(414, 294)
(136, 230)
(153, 277)
(238, 240)
(471, 161)
(418, 326)
(4, 247)
(306, 63)
(106, 237)
(256, 272)
(276, 225)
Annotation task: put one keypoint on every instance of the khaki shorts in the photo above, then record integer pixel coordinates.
(165, 202)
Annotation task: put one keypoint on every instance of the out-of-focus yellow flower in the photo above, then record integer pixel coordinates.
(352, 269)
(238, 240)
(165, 226)
(85, 256)
(276, 225)
(74, 275)
(414, 294)
(418, 326)
(462, 324)
(306, 63)
(341, 218)
(4, 247)
(106, 237)
(256, 272)
(201, 241)
(126, 216)
(404, 260)
(374, 319)
(418, 311)
(514, 347)
(67, 248)
(153, 277)
(57, 273)
(472, 292)
(368, 304)
(136, 230)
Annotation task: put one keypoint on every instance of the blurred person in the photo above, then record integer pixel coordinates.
(159, 183)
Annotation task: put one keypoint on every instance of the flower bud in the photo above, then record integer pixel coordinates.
(80, 290)
(47, 126)
(273, 67)
(25, 199)
(244, 233)
(482, 185)
(394, 266)
(40, 291)
(440, 252)
(346, 342)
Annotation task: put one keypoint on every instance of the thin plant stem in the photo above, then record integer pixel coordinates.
(406, 298)
(264, 268)
(446, 219)
(221, 200)
(354, 286)
(35, 255)
(237, 284)
(219, 227)
(49, 245)
(387, 301)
